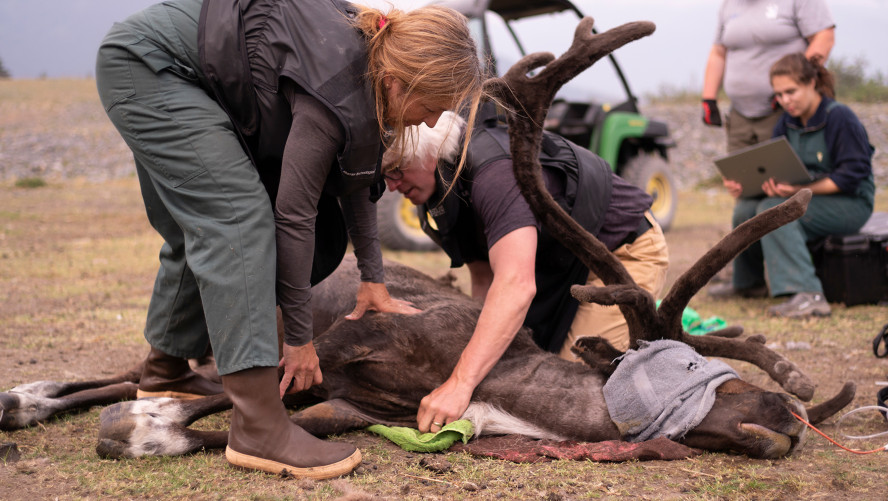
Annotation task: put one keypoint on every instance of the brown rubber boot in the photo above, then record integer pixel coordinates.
(168, 376)
(262, 437)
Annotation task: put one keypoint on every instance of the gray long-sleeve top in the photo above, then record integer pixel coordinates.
(312, 145)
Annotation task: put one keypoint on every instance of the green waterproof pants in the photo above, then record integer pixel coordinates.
(783, 253)
(216, 282)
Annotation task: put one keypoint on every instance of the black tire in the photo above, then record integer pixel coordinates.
(399, 226)
(651, 173)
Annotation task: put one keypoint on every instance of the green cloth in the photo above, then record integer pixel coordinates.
(695, 325)
(410, 439)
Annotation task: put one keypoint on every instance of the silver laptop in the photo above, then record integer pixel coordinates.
(754, 165)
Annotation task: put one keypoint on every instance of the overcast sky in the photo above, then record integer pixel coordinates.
(58, 38)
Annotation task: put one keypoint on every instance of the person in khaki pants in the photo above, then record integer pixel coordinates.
(521, 273)
(646, 259)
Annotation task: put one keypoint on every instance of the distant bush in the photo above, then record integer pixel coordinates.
(4, 73)
(30, 182)
(853, 84)
(667, 93)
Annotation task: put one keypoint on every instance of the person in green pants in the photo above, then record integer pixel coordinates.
(834, 146)
(257, 130)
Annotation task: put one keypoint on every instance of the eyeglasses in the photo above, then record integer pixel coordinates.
(395, 174)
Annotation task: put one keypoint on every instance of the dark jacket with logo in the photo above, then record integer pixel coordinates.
(834, 144)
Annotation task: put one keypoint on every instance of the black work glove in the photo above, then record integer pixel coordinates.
(711, 115)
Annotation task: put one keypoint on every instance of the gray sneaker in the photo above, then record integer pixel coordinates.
(802, 305)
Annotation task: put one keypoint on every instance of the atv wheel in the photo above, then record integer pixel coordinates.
(399, 227)
(651, 173)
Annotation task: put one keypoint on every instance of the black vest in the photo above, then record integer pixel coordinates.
(587, 193)
(246, 46)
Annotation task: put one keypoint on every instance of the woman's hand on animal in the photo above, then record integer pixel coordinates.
(734, 188)
(374, 296)
(302, 368)
(445, 404)
(774, 189)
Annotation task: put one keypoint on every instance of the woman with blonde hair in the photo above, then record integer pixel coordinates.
(251, 124)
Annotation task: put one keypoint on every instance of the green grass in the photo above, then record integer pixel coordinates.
(30, 182)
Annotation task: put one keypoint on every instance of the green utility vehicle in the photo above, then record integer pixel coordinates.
(635, 146)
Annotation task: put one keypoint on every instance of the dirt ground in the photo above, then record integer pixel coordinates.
(77, 262)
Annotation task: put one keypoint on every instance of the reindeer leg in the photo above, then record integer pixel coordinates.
(158, 427)
(54, 389)
(330, 418)
(20, 410)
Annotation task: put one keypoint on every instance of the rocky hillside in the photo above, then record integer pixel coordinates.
(56, 129)
(698, 144)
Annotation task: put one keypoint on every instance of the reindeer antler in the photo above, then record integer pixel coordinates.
(534, 94)
(530, 97)
(690, 282)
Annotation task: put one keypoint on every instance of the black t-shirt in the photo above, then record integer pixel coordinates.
(500, 208)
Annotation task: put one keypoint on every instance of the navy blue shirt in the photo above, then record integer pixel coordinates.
(849, 148)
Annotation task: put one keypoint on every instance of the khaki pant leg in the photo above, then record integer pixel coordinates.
(646, 259)
(743, 132)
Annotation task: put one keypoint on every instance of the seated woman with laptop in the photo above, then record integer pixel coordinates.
(833, 144)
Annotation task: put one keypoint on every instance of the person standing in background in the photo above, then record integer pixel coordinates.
(750, 36)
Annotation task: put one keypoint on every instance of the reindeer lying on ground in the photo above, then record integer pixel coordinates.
(377, 369)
